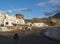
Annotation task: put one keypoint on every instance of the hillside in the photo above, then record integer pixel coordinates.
(57, 15)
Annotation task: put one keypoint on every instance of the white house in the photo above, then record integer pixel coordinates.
(29, 23)
(7, 20)
(39, 24)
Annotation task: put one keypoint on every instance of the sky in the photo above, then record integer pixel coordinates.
(29, 8)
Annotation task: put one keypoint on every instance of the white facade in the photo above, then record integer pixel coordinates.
(29, 23)
(21, 21)
(2, 17)
(39, 24)
(10, 20)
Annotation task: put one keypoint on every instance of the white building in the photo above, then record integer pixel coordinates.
(7, 20)
(2, 17)
(29, 23)
(39, 24)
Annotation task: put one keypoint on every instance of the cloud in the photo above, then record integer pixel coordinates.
(55, 3)
(22, 9)
(41, 4)
(8, 11)
(18, 10)
(1, 11)
(48, 12)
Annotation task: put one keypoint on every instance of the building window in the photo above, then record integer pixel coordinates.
(6, 23)
(2, 24)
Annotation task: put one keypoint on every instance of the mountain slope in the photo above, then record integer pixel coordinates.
(57, 15)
